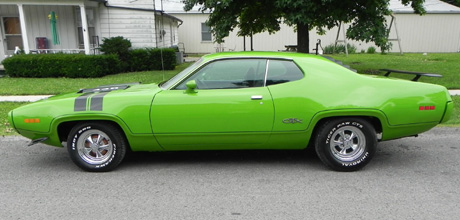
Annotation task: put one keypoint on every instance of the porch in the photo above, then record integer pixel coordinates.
(26, 24)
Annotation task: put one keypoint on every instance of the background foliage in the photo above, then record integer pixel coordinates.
(367, 18)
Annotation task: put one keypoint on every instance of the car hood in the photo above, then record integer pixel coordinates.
(112, 90)
(117, 100)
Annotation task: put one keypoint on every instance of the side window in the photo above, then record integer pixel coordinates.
(229, 74)
(282, 71)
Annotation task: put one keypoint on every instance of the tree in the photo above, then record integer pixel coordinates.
(366, 17)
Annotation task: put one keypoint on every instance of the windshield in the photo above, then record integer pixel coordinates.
(180, 75)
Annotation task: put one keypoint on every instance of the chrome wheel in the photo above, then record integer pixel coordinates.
(95, 147)
(347, 143)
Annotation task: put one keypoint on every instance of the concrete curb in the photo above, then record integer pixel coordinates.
(25, 98)
(34, 98)
(454, 92)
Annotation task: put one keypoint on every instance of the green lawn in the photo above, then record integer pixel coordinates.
(5, 107)
(52, 86)
(446, 64)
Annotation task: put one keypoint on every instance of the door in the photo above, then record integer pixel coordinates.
(12, 34)
(229, 109)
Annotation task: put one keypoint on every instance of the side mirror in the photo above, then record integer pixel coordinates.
(191, 86)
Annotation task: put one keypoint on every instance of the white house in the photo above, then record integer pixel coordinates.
(436, 31)
(82, 24)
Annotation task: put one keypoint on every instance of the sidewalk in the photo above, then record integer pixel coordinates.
(33, 98)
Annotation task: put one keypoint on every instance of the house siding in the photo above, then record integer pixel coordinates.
(38, 25)
(428, 33)
(137, 25)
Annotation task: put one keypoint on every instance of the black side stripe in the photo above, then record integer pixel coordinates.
(80, 102)
(96, 101)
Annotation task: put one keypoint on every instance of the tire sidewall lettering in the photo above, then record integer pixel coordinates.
(111, 158)
(74, 147)
(355, 124)
(357, 162)
(327, 135)
(77, 135)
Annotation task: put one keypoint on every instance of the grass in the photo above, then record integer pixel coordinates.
(455, 118)
(447, 64)
(53, 86)
(5, 107)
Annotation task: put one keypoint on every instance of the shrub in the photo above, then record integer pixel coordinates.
(61, 65)
(329, 49)
(139, 60)
(119, 46)
(150, 59)
(371, 50)
(340, 48)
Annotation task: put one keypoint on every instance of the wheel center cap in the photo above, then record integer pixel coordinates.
(94, 147)
(348, 144)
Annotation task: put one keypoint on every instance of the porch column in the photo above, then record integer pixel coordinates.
(22, 20)
(84, 27)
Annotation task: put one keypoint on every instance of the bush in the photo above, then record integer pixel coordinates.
(61, 65)
(329, 49)
(340, 48)
(371, 50)
(119, 46)
(150, 59)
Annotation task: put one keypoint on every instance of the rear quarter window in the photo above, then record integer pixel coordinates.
(282, 71)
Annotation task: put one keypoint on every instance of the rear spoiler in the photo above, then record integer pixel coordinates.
(417, 74)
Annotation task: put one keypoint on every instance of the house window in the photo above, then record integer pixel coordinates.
(92, 38)
(205, 32)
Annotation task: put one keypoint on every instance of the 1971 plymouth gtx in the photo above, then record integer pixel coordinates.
(235, 101)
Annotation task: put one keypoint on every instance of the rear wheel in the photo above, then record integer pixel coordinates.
(96, 146)
(346, 144)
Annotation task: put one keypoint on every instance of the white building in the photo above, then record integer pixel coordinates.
(436, 31)
(82, 24)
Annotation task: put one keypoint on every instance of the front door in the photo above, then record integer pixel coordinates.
(12, 36)
(230, 109)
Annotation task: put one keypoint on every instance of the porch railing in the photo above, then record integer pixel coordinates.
(66, 51)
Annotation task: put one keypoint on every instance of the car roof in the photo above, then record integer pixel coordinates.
(260, 54)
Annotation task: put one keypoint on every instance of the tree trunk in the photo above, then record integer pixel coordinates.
(302, 38)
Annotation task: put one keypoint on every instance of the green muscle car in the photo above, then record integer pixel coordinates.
(236, 101)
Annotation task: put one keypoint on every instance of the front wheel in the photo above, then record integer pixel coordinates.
(96, 146)
(346, 144)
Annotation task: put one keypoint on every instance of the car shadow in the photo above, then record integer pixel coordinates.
(228, 157)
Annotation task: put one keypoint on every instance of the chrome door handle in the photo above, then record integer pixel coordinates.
(256, 97)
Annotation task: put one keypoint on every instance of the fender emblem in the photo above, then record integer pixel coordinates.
(292, 121)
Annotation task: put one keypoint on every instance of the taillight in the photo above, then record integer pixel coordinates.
(425, 108)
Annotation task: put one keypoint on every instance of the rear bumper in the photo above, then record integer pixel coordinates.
(448, 111)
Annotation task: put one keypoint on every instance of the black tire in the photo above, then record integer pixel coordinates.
(346, 144)
(102, 155)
